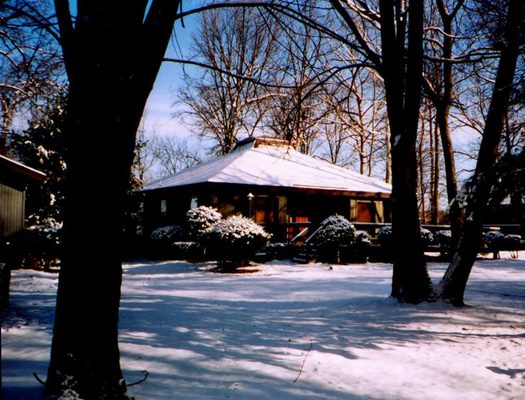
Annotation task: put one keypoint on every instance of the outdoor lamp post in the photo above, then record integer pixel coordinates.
(250, 197)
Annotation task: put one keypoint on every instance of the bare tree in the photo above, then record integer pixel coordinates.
(172, 154)
(297, 113)
(453, 284)
(223, 102)
(30, 61)
(357, 105)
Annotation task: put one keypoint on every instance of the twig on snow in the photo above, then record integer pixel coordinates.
(38, 379)
(304, 360)
(146, 374)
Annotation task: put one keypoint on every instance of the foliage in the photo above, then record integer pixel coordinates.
(186, 250)
(201, 218)
(359, 250)
(509, 177)
(167, 234)
(335, 231)
(38, 246)
(42, 147)
(427, 237)
(385, 237)
(234, 241)
(498, 240)
(443, 238)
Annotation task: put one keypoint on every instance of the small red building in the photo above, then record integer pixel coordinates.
(269, 181)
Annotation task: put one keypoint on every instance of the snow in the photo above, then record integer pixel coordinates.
(270, 165)
(289, 331)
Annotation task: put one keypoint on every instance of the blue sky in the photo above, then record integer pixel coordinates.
(157, 117)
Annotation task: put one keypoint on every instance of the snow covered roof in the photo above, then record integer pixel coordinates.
(268, 162)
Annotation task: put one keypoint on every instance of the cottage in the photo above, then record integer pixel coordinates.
(14, 178)
(269, 181)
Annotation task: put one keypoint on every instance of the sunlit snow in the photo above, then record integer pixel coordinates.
(289, 331)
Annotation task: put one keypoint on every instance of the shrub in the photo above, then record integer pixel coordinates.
(186, 250)
(201, 218)
(385, 237)
(234, 241)
(167, 234)
(444, 238)
(38, 246)
(360, 247)
(335, 231)
(427, 237)
(493, 239)
(511, 242)
(498, 240)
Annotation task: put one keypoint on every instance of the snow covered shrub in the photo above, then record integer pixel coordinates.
(384, 236)
(427, 237)
(167, 234)
(201, 218)
(443, 238)
(360, 247)
(511, 242)
(186, 250)
(277, 251)
(37, 246)
(234, 241)
(493, 239)
(335, 231)
(161, 240)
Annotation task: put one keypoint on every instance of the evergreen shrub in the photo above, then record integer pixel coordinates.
(234, 241)
(201, 218)
(335, 231)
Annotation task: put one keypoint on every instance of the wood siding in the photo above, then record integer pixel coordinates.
(11, 210)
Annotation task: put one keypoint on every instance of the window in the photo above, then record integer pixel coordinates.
(163, 207)
(194, 203)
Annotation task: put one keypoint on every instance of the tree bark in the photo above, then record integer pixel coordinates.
(402, 73)
(452, 287)
(112, 55)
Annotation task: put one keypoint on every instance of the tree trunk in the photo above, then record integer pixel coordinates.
(112, 57)
(402, 74)
(452, 287)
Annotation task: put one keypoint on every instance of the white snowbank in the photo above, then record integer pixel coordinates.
(291, 332)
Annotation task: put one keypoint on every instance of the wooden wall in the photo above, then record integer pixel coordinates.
(11, 210)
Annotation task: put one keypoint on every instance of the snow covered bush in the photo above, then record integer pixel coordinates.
(443, 238)
(186, 250)
(167, 234)
(493, 239)
(385, 237)
(335, 231)
(201, 218)
(234, 241)
(511, 242)
(37, 246)
(427, 237)
(498, 240)
(360, 247)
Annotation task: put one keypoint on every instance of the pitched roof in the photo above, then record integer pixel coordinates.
(20, 171)
(273, 163)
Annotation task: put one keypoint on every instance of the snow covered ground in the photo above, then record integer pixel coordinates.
(290, 331)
